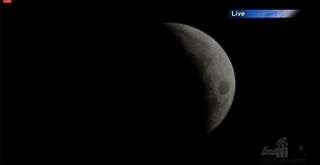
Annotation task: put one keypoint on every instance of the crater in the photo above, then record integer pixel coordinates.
(223, 87)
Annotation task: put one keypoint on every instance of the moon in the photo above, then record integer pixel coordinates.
(214, 67)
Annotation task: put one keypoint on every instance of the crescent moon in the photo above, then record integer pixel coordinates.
(215, 70)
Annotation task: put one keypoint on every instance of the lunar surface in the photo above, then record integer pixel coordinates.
(215, 70)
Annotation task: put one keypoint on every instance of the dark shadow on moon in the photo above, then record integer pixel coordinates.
(213, 67)
(166, 98)
(223, 87)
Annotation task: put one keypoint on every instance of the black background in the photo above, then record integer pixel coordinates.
(102, 81)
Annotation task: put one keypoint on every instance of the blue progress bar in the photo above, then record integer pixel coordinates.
(262, 13)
